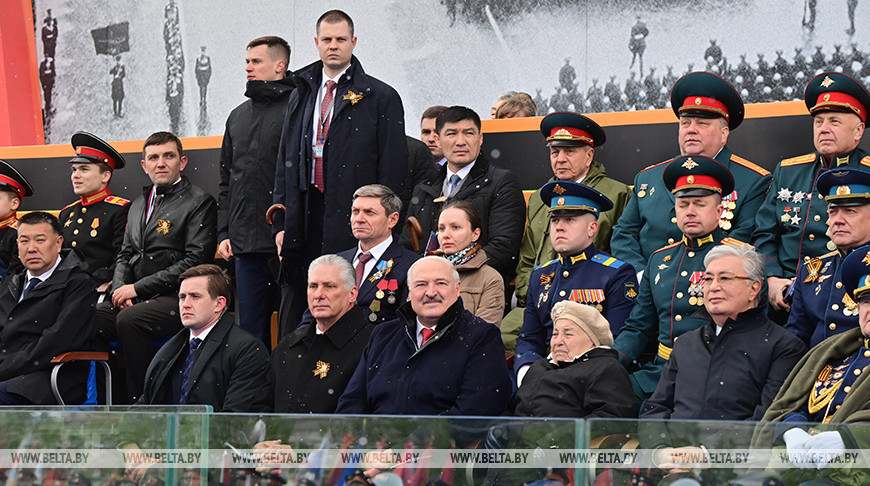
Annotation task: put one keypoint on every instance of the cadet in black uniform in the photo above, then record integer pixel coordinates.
(94, 225)
(13, 188)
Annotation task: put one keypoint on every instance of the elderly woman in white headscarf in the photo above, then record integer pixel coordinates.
(582, 376)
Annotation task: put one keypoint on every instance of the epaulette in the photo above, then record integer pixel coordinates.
(676, 243)
(803, 159)
(826, 255)
(13, 225)
(749, 165)
(117, 200)
(545, 264)
(656, 165)
(866, 160)
(607, 260)
(735, 242)
(71, 205)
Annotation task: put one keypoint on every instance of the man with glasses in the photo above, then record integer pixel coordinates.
(820, 306)
(738, 342)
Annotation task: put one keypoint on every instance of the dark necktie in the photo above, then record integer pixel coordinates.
(155, 205)
(322, 131)
(427, 333)
(188, 365)
(361, 267)
(452, 183)
(30, 286)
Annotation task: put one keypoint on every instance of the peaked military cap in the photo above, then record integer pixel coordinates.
(837, 92)
(564, 129)
(11, 179)
(708, 96)
(566, 197)
(856, 273)
(90, 149)
(696, 175)
(845, 187)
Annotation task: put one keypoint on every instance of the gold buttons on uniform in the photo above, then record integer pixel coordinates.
(684, 273)
(84, 210)
(679, 295)
(832, 326)
(812, 237)
(847, 389)
(817, 218)
(73, 244)
(79, 221)
(670, 241)
(678, 318)
(561, 293)
(806, 258)
(674, 220)
(691, 254)
(820, 196)
(839, 285)
(565, 273)
(835, 307)
(75, 232)
(867, 354)
(857, 372)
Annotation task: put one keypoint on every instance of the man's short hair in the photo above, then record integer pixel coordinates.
(433, 112)
(456, 114)
(434, 257)
(345, 269)
(389, 200)
(279, 49)
(334, 17)
(753, 263)
(159, 138)
(218, 281)
(39, 217)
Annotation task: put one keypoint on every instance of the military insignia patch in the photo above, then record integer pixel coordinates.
(354, 98)
(163, 226)
(630, 291)
(321, 369)
(813, 267)
(690, 164)
(866, 260)
(559, 190)
(826, 83)
(546, 278)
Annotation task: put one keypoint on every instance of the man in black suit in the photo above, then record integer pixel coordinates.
(380, 263)
(46, 310)
(212, 361)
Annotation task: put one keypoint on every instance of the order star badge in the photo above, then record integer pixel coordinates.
(798, 197)
(321, 369)
(784, 194)
(354, 98)
(163, 226)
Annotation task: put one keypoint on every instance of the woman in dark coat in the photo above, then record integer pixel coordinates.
(582, 376)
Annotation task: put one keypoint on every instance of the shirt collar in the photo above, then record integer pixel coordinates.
(461, 172)
(324, 78)
(45, 276)
(376, 251)
(203, 334)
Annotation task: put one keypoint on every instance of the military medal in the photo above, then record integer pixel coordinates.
(642, 191)
(546, 278)
(379, 294)
(392, 287)
(784, 194)
(652, 190)
(850, 308)
(813, 267)
(95, 224)
(696, 290)
(163, 226)
(383, 268)
(798, 197)
(321, 369)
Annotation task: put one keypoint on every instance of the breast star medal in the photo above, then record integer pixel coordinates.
(163, 226)
(354, 98)
(321, 369)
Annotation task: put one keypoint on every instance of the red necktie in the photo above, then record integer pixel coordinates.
(322, 131)
(360, 267)
(427, 333)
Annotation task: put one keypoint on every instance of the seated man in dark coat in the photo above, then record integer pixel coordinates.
(435, 358)
(46, 310)
(212, 361)
(311, 366)
(739, 347)
(582, 377)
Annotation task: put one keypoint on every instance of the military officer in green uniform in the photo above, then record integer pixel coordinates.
(792, 222)
(581, 273)
(13, 188)
(828, 385)
(821, 307)
(708, 109)
(572, 139)
(671, 285)
(94, 224)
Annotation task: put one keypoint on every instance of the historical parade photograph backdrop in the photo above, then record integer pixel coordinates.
(127, 68)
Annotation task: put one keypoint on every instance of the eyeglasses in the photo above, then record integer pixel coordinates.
(725, 279)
